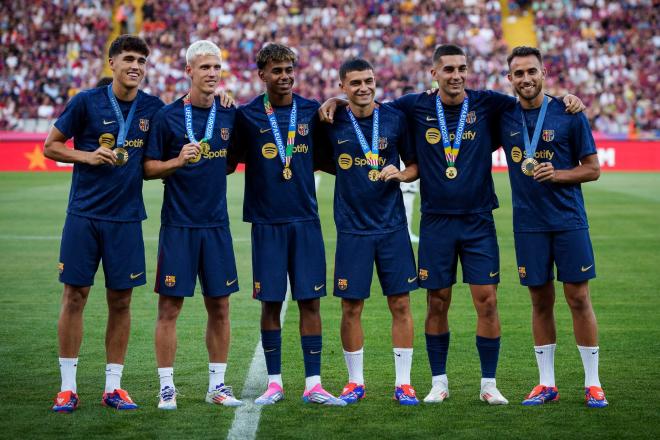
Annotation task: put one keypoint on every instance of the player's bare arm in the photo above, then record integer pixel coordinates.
(55, 149)
(587, 171)
(157, 169)
(409, 174)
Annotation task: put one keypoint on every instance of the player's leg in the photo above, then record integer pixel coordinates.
(169, 308)
(438, 259)
(352, 341)
(575, 266)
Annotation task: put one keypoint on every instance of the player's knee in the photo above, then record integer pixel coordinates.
(438, 304)
(119, 304)
(74, 298)
(399, 306)
(168, 311)
(310, 307)
(579, 300)
(486, 306)
(218, 309)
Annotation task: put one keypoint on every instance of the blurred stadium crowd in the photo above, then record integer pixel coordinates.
(605, 52)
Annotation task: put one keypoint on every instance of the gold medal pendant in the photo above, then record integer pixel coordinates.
(451, 172)
(121, 155)
(287, 173)
(374, 175)
(528, 165)
(204, 148)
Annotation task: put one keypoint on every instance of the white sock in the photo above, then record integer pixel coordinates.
(277, 378)
(437, 380)
(354, 365)
(545, 359)
(487, 380)
(216, 375)
(113, 374)
(402, 365)
(590, 362)
(311, 382)
(68, 368)
(166, 376)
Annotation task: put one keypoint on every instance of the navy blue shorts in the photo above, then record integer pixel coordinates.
(186, 253)
(86, 242)
(293, 248)
(354, 264)
(571, 251)
(443, 239)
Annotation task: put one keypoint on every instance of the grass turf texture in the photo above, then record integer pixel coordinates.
(623, 211)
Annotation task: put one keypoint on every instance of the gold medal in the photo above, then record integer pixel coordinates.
(528, 165)
(204, 147)
(287, 173)
(451, 172)
(374, 175)
(121, 155)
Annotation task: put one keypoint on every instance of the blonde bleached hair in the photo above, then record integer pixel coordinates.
(202, 47)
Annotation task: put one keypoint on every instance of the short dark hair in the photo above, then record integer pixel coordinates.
(446, 49)
(524, 51)
(128, 43)
(354, 65)
(274, 52)
(104, 81)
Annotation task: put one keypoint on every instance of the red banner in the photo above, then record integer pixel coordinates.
(24, 152)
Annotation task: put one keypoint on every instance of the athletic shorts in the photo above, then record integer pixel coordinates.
(570, 251)
(354, 264)
(86, 242)
(443, 239)
(295, 249)
(186, 253)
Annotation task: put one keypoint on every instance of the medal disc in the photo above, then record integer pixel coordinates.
(451, 172)
(204, 147)
(528, 165)
(287, 173)
(121, 155)
(374, 175)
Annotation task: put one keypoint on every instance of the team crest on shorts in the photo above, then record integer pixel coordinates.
(548, 135)
(471, 118)
(382, 143)
(342, 283)
(522, 272)
(257, 287)
(303, 129)
(170, 280)
(60, 267)
(144, 125)
(224, 134)
(423, 274)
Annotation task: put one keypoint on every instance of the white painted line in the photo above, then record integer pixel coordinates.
(246, 418)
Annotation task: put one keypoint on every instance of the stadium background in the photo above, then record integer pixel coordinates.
(605, 52)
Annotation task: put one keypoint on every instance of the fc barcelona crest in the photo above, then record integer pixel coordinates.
(144, 125)
(471, 118)
(522, 272)
(170, 280)
(224, 134)
(303, 129)
(382, 143)
(342, 283)
(548, 135)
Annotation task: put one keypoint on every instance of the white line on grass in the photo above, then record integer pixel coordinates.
(246, 418)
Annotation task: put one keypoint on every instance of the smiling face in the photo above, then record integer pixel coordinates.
(360, 87)
(279, 77)
(204, 72)
(526, 75)
(128, 68)
(450, 72)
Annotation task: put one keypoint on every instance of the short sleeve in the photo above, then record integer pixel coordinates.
(582, 140)
(74, 117)
(159, 136)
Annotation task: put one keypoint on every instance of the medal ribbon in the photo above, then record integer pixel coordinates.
(451, 151)
(530, 147)
(285, 154)
(124, 125)
(370, 154)
(210, 121)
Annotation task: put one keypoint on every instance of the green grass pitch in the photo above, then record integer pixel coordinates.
(624, 213)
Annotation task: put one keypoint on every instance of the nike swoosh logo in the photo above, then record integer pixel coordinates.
(513, 133)
(270, 351)
(397, 354)
(493, 274)
(410, 280)
(314, 352)
(429, 118)
(229, 283)
(317, 288)
(262, 130)
(584, 269)
(594, 352)
(136, 275)
(343, 141)
(539, 352)
(108, 122)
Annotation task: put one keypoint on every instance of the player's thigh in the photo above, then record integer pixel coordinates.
(574, 256)
(178, 257)
(80, 251)
(217, 267)
(535, 258)
(123, 255)
(395, 263)
(306, 260)
(438, 256)
(354, 265)
(479, 251)
(270, 251)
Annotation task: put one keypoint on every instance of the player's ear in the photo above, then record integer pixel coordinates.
(261, 74)
(189, 70)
